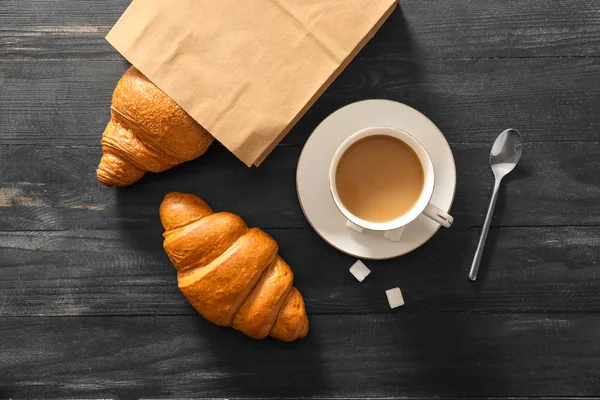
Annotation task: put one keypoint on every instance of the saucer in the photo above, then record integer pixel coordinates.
(312, 177)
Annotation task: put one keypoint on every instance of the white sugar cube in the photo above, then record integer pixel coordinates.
(394, 297)
(360, 270)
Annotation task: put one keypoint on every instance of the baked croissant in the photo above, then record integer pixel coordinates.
(231, 274)
(148, 131)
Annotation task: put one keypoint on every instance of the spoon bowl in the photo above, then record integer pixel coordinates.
(506, 152)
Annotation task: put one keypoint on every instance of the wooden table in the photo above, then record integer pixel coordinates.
(89, 305)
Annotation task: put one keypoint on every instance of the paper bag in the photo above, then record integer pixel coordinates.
(246, 70)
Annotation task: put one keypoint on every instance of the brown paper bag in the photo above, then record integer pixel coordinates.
(246, 70)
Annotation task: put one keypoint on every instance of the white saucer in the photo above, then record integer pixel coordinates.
(313, 183)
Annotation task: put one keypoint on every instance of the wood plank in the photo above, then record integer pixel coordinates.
(61, 29)
(49, 188)
(126, 272)
(489, 28)
(56, 102)
(59, 103)
(365, 356)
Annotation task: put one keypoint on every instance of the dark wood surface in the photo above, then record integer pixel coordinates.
(89, 306)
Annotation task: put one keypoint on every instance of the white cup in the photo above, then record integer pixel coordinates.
(392, 229)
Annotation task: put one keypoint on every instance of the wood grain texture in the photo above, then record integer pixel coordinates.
(126, 272)
(54, 188)
(59, 103)
(58, 29)
(489, 28)
(344, 356)
(62, 29)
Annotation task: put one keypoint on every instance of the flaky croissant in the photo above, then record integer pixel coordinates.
(148, 131)
(231, 274)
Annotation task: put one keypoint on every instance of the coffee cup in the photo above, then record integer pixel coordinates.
(413, 158)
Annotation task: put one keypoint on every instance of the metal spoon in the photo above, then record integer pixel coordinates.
(504, 157)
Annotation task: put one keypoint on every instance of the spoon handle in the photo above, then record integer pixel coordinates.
(484, 232)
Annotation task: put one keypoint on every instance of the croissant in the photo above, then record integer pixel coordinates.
(148, 131)
(231, 274)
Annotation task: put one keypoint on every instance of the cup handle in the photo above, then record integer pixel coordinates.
(439, 216)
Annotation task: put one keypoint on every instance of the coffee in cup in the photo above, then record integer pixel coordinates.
(379, 178)
(382, 179)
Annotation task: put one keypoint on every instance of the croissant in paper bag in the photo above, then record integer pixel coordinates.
(231, 274)
(148, 131)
